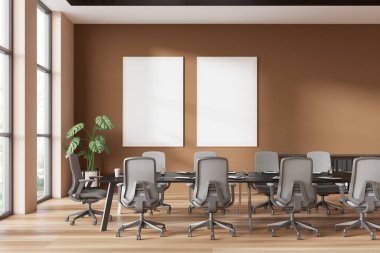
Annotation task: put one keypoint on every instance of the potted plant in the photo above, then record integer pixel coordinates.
(90, 143)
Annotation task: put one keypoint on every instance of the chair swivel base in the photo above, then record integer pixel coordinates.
(294, 224)
(361, 223)
(266, 205)
(211, 223)
(328, 206)
(140, 224)
(88, 212)
(166, 206)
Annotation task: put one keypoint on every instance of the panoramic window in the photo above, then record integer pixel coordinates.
(5, 108)
(43, 102)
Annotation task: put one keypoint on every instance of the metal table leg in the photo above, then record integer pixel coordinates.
(239, 204)
(107, 206)
(250, 222)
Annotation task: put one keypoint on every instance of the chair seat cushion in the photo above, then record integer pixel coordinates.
(326, 189)
(264, 189)
(93, 194)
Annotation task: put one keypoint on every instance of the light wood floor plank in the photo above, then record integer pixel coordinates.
(46, 231)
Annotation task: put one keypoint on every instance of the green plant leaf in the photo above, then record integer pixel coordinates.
(100, 138)
(107, 149)
(82, 153)
(96, 146)
(74, 130)
(104, 123)
(72, 146)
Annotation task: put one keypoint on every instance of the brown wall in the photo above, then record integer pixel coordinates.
(62, 100)
(318, 85)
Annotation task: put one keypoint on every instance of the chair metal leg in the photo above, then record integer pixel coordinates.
(328, 206)
(376, 226)
(140, 224)
(361, 223)
(90, 212)
(267, 205)
(366, 227)
(292, 223)
(211, 223)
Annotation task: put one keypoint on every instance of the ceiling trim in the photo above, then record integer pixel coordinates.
(217, 14)
(223, 2)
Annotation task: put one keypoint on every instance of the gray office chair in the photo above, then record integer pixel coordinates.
(140, 193)
(321, 164)
(364, 193)
(212, 193)
(198, 155)
(295, 191)
(265, 161)
(82, 192)
(160, 167)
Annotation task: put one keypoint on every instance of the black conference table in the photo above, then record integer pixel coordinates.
(236, 177)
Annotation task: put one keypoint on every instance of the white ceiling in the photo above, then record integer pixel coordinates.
(217, 14)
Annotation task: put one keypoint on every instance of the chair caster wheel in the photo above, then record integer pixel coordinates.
(272, 212)
(212, 237)
(342, 211)
(317, 234)
(233, 233)
(94, 222)
(273, 233)
(67, 219)
(189, 210)
(169, 211)
(118, 234)
(336, 228)
(189, 233)
(298, 236)
(373, 237)
(72, 222)
(345, 233)
(328, 212)
(138, 237)
(162, 234)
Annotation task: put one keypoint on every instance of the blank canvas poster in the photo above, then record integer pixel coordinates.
(152, 101)
(227, 101)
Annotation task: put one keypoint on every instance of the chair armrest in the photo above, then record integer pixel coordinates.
(82, 183)
(88, 181)
(232, 185)
(119, 190)
(342, 197)
(271, 191)
(95, 177)
(375, 189)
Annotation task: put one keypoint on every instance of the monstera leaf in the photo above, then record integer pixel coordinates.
(72, 146)
(102, 140)
(74, 130)
(104, 123)
(96, 146)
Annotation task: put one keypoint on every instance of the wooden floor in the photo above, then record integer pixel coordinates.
(46, 231)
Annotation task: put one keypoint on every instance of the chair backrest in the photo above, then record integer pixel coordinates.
(203, 154)
(159, 157)
(321, 161)
(212, 170)
(76, 173)
(139, 169)
(364, 169)
(266, 161)
(293, 170)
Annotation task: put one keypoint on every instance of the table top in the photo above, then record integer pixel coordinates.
(236, 177)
